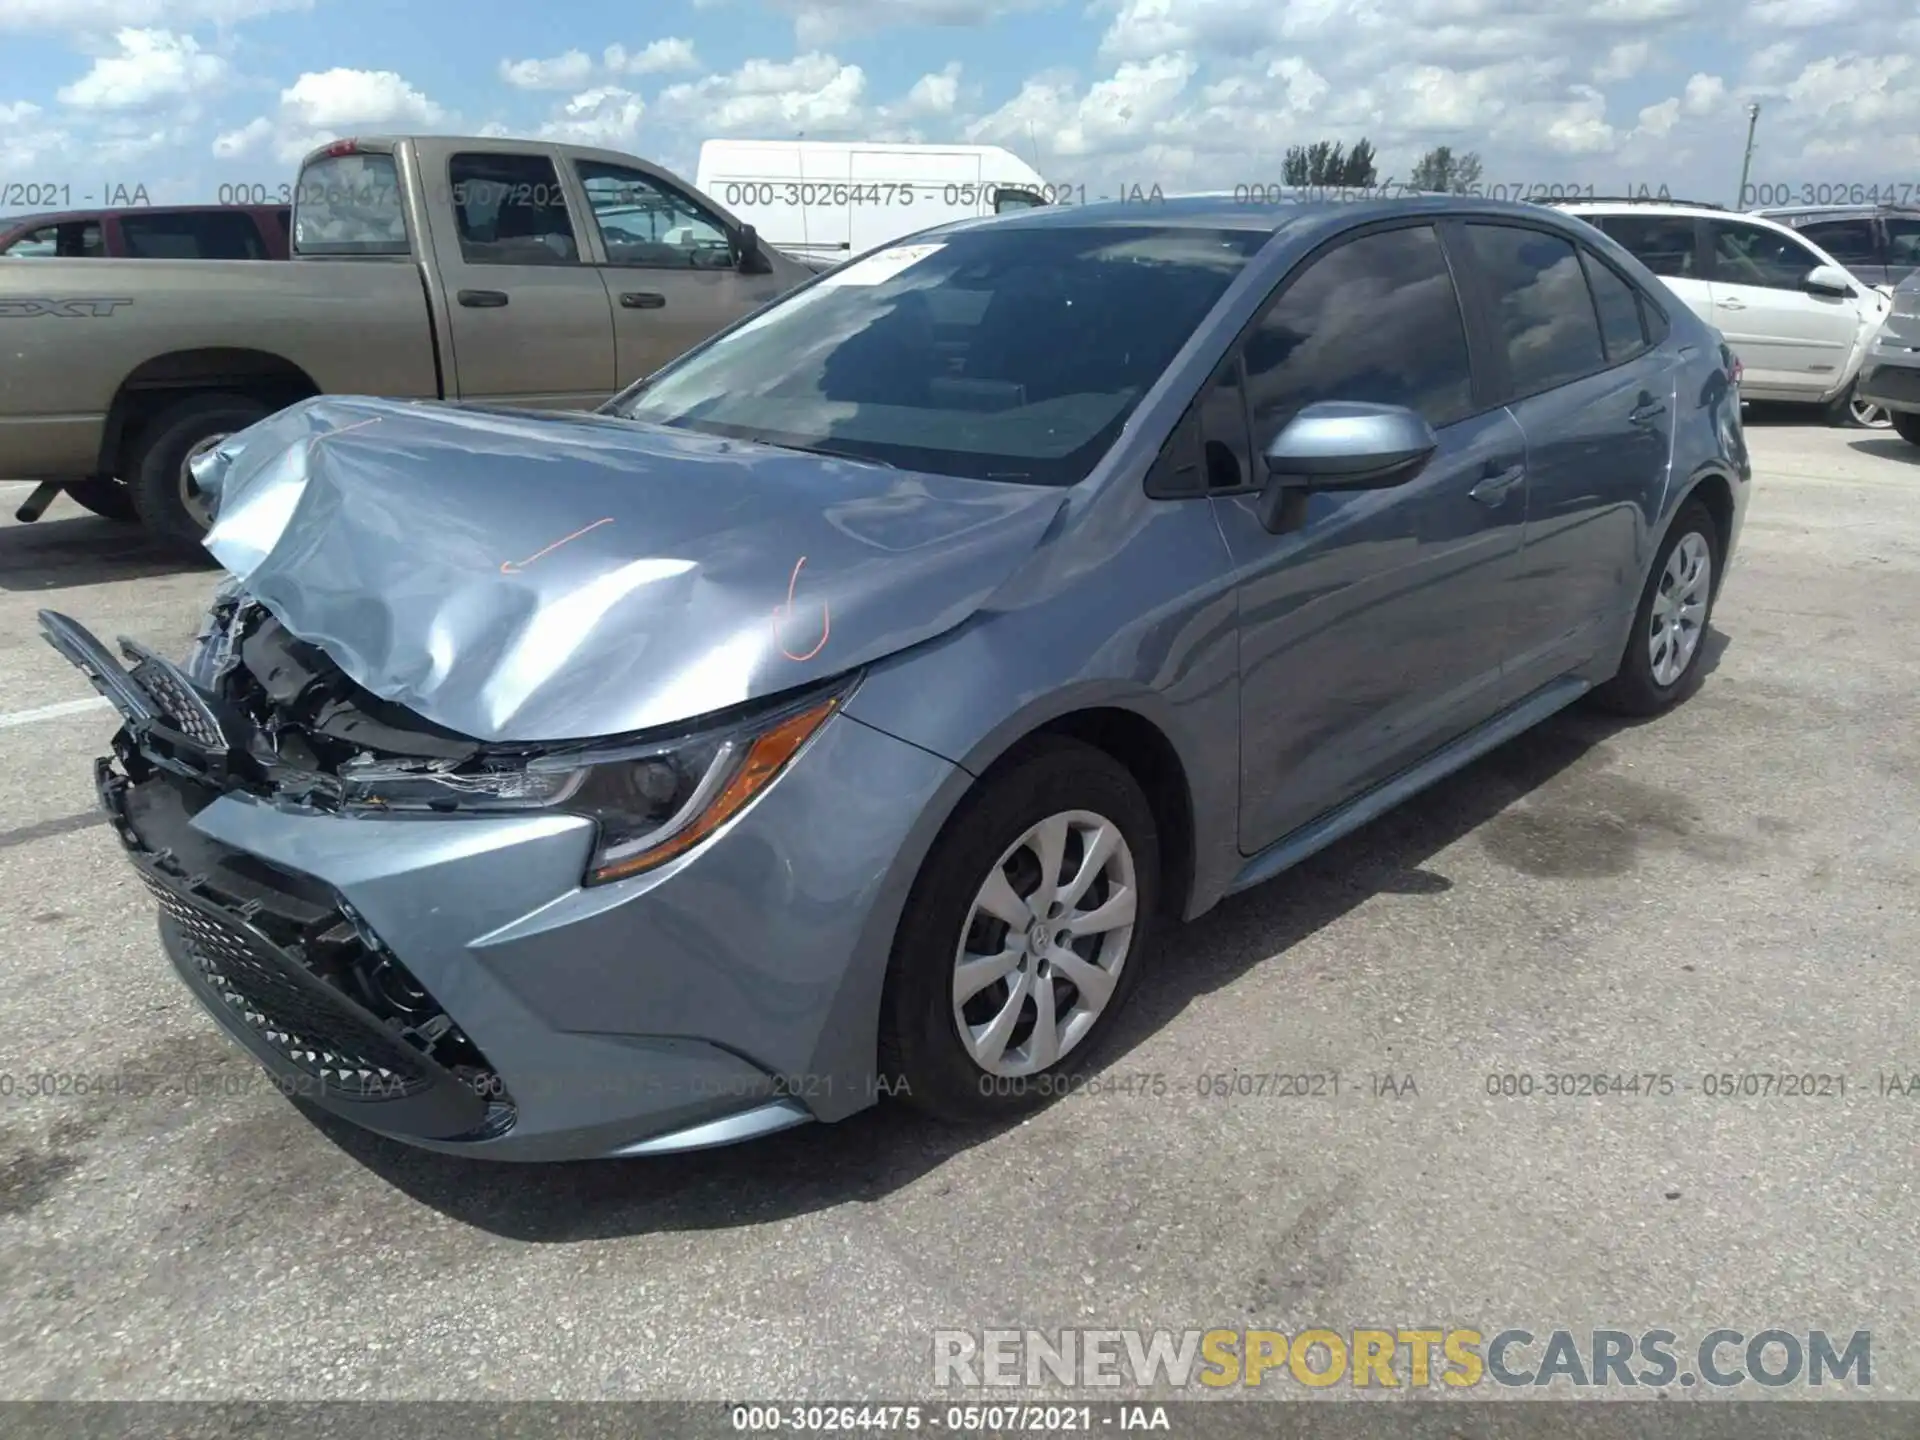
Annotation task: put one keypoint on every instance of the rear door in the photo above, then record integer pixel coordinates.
(529, 316)
(1595, 398)
(669, 264)
(1374, 629)
(1794, 344)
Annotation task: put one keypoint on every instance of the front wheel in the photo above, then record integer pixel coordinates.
(1854, 413)
(1661, 665)
(163, 487)
(1023, 938)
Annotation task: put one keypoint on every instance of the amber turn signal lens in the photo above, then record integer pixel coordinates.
(765, 758)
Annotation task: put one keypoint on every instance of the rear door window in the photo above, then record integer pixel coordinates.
(209, 235)
(1662, 243)
(510, 210)
(1543, 309)
(1623, 328)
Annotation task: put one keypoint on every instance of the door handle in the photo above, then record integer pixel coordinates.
(1731, 304)
(1495, 484)
(1647, 413)
(643, 300)
(482, 299)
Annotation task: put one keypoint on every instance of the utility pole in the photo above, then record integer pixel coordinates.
(1746, 164)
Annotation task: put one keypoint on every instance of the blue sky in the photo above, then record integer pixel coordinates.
(184, 96)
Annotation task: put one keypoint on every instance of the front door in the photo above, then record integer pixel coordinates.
(1374, 630)
(1794, 344)
(672, 273)
(529, 317)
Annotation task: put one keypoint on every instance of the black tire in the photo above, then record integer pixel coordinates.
(1906, 424)
(922, 1058)
(154, 475)
(105, 497)
(1633, 689)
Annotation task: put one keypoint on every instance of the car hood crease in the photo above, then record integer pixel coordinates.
(526, 576)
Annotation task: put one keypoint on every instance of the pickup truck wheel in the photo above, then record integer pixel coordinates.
(105, 497)
(162, 487)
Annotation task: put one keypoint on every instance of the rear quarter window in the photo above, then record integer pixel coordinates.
(349, 205)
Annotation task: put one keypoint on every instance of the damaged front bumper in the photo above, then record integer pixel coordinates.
(447, 980)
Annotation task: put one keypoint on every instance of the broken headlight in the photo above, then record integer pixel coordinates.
(652, 801)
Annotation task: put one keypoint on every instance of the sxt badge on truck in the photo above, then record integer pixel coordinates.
(81, 309)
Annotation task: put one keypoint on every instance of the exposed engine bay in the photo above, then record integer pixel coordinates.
(305, 723)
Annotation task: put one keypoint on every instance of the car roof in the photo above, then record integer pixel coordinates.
(1236, 210)
(1839, 211)
(1642, 207)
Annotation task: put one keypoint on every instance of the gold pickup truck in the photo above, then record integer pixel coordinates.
(495, 271)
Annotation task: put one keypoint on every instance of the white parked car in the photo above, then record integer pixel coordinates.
(822, 200)
(1799, 321)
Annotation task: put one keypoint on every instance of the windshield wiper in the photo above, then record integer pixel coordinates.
(838, 452)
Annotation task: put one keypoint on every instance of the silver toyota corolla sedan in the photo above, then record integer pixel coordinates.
(840, 712)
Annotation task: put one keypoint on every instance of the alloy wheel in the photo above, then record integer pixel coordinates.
(1680, 608)
(1868, 415)
(191, 500)
(1044, 943)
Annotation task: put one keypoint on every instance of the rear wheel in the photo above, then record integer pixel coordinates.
(105, 497)
(1661, 665)
(1906, 424)
(1024, 936)
(163, 488)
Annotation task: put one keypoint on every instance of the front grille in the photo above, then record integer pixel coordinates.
(292, 1012)
(297, 977)
(179, 702)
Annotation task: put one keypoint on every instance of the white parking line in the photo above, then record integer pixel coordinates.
(51, 712)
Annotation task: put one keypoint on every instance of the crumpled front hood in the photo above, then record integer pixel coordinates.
(533, 576)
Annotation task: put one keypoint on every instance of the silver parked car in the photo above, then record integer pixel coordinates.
(842, 710)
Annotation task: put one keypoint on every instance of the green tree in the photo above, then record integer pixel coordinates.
(1359, 170)
(1445, 172)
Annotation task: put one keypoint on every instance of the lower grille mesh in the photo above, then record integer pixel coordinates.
(320, 1035)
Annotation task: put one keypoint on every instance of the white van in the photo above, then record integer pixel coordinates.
(825, 201)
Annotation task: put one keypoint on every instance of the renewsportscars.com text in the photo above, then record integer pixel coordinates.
(1401, 1356)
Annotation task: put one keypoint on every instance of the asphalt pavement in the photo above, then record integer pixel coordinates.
(1729, 890)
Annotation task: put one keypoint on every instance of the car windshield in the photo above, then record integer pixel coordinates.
(1003, 353)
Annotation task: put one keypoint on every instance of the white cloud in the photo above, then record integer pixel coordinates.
(1704, 94)
(248, 140)
(821, 22)
(1657, 120)
(562, 72)
(935, 94)
(1623, 62)
(607, 116)
(813, 92)
(149, 66)
(325, 105)
(655, 58)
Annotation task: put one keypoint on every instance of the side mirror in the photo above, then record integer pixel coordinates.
(1342, 445)
(1827, 280)
(753, 257)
